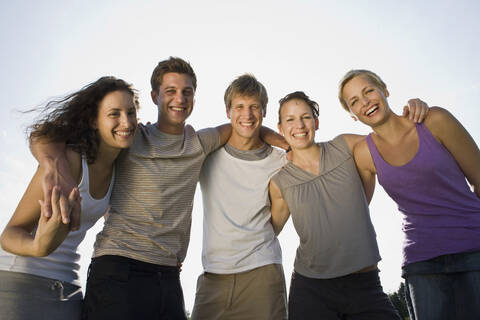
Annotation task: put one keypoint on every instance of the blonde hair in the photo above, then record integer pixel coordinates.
(246, 85)
(355, 73)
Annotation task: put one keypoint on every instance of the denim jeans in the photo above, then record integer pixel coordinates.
(445, 287)
(122, 288)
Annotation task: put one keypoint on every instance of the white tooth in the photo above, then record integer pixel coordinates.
(371, 110)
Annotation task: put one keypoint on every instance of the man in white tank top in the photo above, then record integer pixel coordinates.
(241, 256)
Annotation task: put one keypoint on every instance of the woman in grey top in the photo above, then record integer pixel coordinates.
(335, 272)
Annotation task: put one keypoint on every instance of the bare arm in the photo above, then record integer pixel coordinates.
(365, 167)
(450, 132)
(56, 172)
(279, 209)
(273, 138)
(17, 236)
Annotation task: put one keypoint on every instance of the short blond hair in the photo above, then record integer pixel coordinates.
(246, 85)
(355, 73)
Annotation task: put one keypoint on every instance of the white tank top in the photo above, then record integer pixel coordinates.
(63, 263)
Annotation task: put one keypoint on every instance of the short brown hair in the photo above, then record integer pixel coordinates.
(299, 95)
(246, 85)
(173, 64)
(354, 73)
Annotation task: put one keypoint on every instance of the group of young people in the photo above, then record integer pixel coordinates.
(95, 160)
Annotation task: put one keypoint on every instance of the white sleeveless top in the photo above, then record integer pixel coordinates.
(237, 233)
(62, 264)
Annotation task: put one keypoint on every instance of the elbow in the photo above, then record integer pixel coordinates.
(3, 241)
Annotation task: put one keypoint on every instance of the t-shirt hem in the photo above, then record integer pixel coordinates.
(160, 262)
(242, 269)
(306, 273)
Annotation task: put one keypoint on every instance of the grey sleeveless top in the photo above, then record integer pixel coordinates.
(330, 214)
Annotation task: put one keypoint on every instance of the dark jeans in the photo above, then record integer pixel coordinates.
(445, 287)
(122, 288)
(356, 296)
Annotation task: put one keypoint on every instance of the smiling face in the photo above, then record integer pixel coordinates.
(116, 120)
(366, 100)
(175, 99)
(246, 115)
(297, 124)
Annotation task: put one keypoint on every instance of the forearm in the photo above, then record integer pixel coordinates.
(48, 154)
(272, 138)
(17, 241)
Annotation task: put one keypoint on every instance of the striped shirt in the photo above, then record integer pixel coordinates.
(152, 198)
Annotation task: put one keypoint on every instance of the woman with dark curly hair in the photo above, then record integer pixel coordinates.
(41, 279)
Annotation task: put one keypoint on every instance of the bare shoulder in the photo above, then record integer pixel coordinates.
(438, 116)
(75, 162)
(363, 157)
(441, 122)
(352, 139)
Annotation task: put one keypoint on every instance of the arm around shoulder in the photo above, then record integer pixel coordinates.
(450, 132)
(351, 139)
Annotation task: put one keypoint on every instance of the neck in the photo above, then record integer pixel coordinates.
(106, 156)
(305, 157)
(242, 143)
(393, 128)
(168, 128)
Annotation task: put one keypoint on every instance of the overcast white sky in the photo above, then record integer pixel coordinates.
(425, 49)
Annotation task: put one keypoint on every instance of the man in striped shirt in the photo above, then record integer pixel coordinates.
(134, 272)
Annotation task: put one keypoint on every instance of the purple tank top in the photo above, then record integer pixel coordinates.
(441, 214)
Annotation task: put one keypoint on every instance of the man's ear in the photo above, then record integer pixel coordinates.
(154, 95)
(227, 109)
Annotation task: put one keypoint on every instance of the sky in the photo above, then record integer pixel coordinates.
(426, 49)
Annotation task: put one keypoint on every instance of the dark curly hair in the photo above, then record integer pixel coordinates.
(70, 119)
(299, 95)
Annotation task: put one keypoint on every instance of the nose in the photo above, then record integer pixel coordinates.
(246, 112)
(124, 119)
(300, 123)
(365, 100)
(179, 97)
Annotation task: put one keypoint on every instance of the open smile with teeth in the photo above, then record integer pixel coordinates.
(178, 109)
(127, 133)
(247, 124)
(371, 110)
(300, 135)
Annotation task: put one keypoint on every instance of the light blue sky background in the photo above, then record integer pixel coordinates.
(425, 49)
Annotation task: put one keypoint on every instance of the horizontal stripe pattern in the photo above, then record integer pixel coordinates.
(152, 198)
